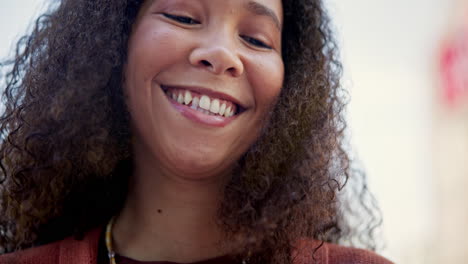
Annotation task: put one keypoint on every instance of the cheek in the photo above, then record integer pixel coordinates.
(153, 46)
(148, 41)
(267, 78)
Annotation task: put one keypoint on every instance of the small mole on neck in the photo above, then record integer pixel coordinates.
(159, 211)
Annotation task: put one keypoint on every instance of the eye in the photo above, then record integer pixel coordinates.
(255, 42)
(182, 19)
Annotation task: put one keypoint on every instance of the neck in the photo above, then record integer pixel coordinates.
(168, 218)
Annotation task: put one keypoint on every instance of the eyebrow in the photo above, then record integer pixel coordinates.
(261, 10)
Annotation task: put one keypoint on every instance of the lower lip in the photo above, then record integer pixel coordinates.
(196, 116)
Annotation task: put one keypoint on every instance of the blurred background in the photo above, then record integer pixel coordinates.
(406, 70)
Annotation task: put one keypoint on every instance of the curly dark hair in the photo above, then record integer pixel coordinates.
(65, 149)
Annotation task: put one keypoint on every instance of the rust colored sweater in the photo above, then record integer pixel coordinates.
(71, 251)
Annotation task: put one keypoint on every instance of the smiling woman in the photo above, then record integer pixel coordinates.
(171, 131)
(209, 62)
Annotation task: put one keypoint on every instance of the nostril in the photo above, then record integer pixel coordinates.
(232, 70)
(205, 63)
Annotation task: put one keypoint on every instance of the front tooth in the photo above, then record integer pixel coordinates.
(187, 97)
(180, 99)
(228, 110)
(231, 113)
(205, 102)
(195, 102)
(222, 109)
(214, 108)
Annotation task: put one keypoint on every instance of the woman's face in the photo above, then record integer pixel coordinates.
(201, 76)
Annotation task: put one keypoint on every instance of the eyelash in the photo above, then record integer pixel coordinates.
(255, 42)
(182, 19)
(191, 21)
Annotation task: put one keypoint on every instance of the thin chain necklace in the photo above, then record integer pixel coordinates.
(110, 250)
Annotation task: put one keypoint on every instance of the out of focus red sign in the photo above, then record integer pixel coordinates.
(454, 67)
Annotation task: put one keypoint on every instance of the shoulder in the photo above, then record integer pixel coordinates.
(309, 251)
(341, 254)
(43, 254)
(67, 251)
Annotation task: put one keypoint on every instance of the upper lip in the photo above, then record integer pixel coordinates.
(205, 91)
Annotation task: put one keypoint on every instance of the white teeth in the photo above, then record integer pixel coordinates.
(180, 98)
(222, 109)
(231, 113)
(187, 97)
(205, 102)
(228, 110)
(214, 108)
(195, 102)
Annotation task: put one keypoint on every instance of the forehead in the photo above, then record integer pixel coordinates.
(269, 8)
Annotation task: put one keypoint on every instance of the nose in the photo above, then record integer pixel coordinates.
(217, 55)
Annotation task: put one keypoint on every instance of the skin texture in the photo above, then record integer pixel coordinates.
(182, 166)
(69, 148)
(250, 74)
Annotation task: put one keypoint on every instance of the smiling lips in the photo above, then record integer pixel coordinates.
(202, 103)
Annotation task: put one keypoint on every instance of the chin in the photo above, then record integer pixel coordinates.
(201, 165)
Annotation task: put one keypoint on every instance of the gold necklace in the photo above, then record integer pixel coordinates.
(110, 250)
